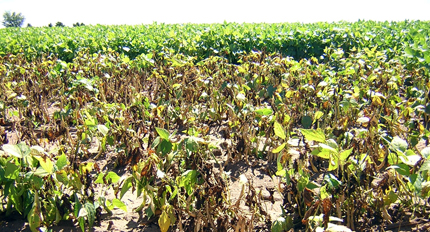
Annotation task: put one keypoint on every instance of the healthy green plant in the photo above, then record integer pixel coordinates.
(45, 189)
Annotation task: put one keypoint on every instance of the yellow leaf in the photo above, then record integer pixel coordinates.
(279, 130)
(377, 101)
(164, 222)
(46, 164)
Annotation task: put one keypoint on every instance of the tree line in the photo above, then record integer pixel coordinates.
(17, 20)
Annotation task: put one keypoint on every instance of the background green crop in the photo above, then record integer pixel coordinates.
(228, 40)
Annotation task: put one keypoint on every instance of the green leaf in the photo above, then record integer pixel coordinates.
(281, 224)
(164, 221)
(191, 144)
(110, 177)
(119, 204)
(99, 179)
(323, 153)
(332, 181)
(398, 144)
(314, 135)
(188, 180)
(264, 112)
(91, 213)
(82, 223)
(62, 162)
(128, 183)
(345, 154)
(331, 144)
(390, 198)
(334, 227)
(165, 147)
(278, 149)
(12, 150)
(113, 177)
(40, 171)
(425, 166)
(306, 122)
(402, 169)
(163, 133)
(409, 52)
(312, 185)
(279, 131)
(110, 140)
(11, 171)
(393, 158)
(302, 183)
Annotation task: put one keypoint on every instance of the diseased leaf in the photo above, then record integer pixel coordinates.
(323, 192)
(318, 115)
(34, 217)
(279, 130)
(34, 220)
(46, 164)
(164, 221)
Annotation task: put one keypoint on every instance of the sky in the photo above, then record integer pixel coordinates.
(134, 12)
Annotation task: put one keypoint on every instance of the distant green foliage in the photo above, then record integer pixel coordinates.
(229, 40)
(78, 24)
(13, 19)
(59, 24)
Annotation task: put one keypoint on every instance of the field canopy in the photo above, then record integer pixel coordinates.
(334, 117)
(229, 40)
